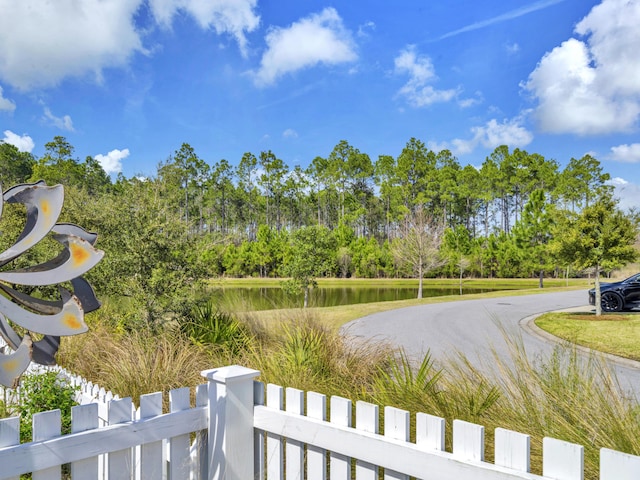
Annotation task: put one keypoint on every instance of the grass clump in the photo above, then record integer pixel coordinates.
(304, 354)
(135, 363)
(566, 396)
(208, 325)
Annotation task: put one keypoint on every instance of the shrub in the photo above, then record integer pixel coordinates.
(41, 392)
(207, 325)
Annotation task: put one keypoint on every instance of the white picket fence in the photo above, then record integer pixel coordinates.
(238, 430)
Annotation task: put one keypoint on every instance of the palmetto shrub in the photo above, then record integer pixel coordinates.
(207, 325)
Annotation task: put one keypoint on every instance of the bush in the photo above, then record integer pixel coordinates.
(207, 325)
(41, 392)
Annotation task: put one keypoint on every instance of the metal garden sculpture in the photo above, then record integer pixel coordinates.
(49, 319)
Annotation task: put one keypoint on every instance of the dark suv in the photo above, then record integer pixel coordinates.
(618, 296)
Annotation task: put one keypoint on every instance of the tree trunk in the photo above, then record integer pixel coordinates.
(420, 282)
(306, 297)
(541, 278)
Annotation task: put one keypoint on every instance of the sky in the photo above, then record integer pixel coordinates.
(129, 81)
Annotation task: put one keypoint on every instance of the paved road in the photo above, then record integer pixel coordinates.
(473, 327)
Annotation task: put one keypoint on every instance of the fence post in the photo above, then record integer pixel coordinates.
(230, 449)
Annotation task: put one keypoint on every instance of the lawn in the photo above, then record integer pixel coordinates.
(615, 333)
(337, 316)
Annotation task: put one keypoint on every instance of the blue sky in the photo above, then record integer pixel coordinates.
(128, 81)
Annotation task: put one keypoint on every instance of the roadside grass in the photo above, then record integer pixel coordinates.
(335, 317)
(614, 333)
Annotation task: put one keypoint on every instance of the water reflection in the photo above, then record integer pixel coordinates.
(265, 298)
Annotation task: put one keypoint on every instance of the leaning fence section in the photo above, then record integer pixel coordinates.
(234, 428)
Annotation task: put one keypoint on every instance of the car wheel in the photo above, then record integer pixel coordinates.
(611, 302)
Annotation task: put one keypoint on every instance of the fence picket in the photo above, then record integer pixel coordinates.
(468, 440)
(151, 462)
(259, 437)
(618, 465)
(120, 463)
(10, 435)
(316, 456)
(275, 452)
(179, 446)
(294, 450)
(562, 460)
(340, 465)
(200, 444)
(430, 432)
(396, 426)
(512, 449)
(83, 418)
(367, 416)
(46, 425)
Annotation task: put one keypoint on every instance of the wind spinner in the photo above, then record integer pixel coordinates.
(50, 319)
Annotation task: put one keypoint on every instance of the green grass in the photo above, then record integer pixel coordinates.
(335, 317)
(618, 334)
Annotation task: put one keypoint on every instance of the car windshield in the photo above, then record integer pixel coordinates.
(633, 279)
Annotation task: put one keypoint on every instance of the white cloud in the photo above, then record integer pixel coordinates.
(23, 143)
(471, 101)
(437, 146)
(290, 133)
(462, 147)
(225, 16)
(511, 133)
(112, 161)
(317, 39)
(63, 123)
(493, 134)
(6, 104)
(626, 153)
(591, 86)
(417, 90)
(512, 48)
(43, 42)
(628, 193)
(363, 30)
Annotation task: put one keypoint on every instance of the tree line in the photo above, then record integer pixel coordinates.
(420, 213)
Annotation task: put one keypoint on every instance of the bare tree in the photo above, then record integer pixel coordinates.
(418, 245)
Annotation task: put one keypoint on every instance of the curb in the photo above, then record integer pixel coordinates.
(528, 325)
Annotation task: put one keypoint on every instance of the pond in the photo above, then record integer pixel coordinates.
(266, 298)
